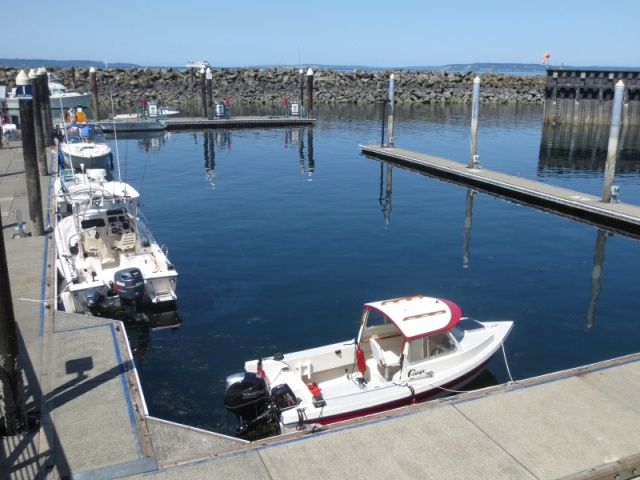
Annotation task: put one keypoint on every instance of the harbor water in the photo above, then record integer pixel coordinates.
(280, 235)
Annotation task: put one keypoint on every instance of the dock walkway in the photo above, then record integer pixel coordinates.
(81, 381)
(622, 217)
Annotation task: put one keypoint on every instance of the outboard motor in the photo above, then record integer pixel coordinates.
(248, 398)
(129, 285)
(92, 300)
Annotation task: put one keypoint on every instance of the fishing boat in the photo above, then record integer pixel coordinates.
(407, 350)
(106, 255)
(84, 144)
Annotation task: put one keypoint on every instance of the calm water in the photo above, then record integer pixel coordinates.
(280, 236)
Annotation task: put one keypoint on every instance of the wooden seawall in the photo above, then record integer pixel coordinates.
(586, 96)
(621, 217)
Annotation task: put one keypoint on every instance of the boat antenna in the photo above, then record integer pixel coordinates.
(115, 135)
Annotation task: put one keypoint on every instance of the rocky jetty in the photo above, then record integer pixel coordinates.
(246, 86)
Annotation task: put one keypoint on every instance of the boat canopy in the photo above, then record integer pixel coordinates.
(418, 316)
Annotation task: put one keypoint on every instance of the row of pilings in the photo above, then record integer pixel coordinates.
(246, 86)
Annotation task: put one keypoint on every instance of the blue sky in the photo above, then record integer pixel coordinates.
(392, 33)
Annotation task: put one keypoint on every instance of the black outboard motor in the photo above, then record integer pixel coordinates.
(248, 398)
(129, 285)
(92, 300)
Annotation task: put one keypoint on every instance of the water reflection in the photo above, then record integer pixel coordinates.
(581, 150)
(468, 220)
(146, 141)
(596, 274)
(386, 188)
(139, 334)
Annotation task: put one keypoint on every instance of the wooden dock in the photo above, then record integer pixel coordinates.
(237, 122)
(620, 217)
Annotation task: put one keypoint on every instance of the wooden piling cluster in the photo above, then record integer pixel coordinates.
(586, 96)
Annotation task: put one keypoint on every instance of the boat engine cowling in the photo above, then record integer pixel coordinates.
(246, 395)
(92, 299)
(129, 285)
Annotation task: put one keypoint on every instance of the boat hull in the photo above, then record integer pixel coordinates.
(58, 102)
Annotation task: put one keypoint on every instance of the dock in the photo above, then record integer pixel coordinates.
(618, 216)
(82, 385)
(269, 121)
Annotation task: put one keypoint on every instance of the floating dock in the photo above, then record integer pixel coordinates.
(621, 217)
(237, 122)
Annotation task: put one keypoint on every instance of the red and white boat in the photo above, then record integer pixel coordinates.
(407, 350)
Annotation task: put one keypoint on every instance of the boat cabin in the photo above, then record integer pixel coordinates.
(404, 333)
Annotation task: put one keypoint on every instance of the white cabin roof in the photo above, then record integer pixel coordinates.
(419, 316)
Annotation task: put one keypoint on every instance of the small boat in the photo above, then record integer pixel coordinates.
(407, 350)
(84, 144)
(135, 124)
(198, 64)
(59, 96)
(106, 255)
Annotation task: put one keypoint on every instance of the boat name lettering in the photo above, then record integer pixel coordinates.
(122, 284)
(419, 373)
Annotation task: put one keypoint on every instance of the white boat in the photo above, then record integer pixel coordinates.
(59, 96)
(407, 350)
(84, 144)
(198, 64)
(107, 257)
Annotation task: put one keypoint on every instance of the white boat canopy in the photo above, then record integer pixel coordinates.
(418, 316)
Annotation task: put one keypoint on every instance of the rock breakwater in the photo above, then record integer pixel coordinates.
(246, 86)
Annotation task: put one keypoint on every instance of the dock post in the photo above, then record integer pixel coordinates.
(45, 105)
(38, 134)
(309, 93)
(301, 74)
(34, 193)
(392, 97)
(614, 135)
(473, 151)
(94, 91)
(384, 109)
(203, 92)
(209, 76)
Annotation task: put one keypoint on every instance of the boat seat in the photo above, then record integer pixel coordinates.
(384, 358)
(127, 242)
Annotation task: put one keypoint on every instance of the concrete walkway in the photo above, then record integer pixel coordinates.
(82, 384)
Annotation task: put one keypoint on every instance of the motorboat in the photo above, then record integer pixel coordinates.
(148, 118)
(106, 255)
(84, 144)
(198, 64)
(60, 97)
(407, 350)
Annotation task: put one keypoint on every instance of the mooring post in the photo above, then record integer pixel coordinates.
(392, 96)
(614, 135)
(309, 93)
(301, 74)
(203, 92)
(209, 76)
(384, 109)
(45, 103)
(38, 134)
(94, 91)
(34, 193)
(473, 152)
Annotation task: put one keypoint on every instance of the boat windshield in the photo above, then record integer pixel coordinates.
(431, 346)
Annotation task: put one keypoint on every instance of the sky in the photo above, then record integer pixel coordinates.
(391, 33)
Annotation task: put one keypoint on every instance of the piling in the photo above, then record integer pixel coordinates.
(94, 90)
(384, 107)
(209, 76)
(473, 151)
(34, 193)
(301, 74)
(392, 97)
(203, 91)
(45, 104)
(73, 79)
(309, 93)
(614, 135)
(36, 95)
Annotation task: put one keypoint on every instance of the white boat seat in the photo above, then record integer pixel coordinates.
(127, 242)
(384, 358)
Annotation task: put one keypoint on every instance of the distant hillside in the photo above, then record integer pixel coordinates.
(38, 62)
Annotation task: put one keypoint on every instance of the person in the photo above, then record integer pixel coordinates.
(85, 134)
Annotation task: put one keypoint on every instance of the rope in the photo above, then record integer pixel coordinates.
(506, 364)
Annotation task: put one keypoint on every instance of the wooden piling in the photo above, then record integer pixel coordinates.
(94, 91)
(45, 104)
(309, 93)
(203, 92)
(38, 135)
(301, 74)
(34, 193)
(209, 76)
(392, 99)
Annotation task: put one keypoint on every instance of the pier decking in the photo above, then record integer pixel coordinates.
(80, 378)
(621, 217)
